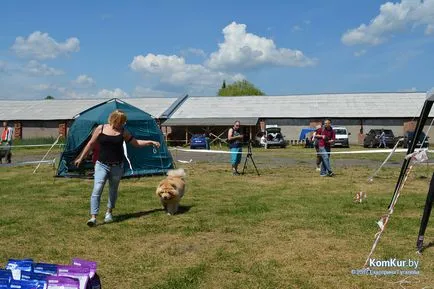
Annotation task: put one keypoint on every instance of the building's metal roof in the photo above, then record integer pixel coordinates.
(61, 109)
(155, 106)
(216, 109)
(245, 121)
(352, 105)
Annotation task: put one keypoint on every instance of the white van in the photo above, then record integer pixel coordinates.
(342, 137)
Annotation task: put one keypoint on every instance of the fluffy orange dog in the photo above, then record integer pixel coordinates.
(171, 189)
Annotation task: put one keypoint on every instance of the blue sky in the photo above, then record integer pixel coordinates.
(104, 49)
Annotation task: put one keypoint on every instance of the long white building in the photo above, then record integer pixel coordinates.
(180, 117)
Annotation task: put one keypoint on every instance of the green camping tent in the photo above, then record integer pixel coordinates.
(139, 161)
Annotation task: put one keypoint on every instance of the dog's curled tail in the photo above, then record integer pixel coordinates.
(176, 173)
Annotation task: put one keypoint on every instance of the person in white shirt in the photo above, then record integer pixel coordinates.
(264, 140)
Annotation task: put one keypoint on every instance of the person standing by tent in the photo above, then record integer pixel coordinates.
(110, 138)
(6, 142)
(235, 145)
(382, 138)
(326, 137)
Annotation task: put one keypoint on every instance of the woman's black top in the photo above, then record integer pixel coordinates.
(111, 148)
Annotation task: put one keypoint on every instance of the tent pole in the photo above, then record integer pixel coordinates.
(419, 128)
(430, 197)
(426, 214)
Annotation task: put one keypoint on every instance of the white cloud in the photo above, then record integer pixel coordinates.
(61, 92)
(35, 68)
(44, 87)
(3, 66)
(173, 70)
(393, 17)
(193, 51)
(241, 50)
(296, 28)
(413, 89)
(141, 91)
(116, 93)
(360, 53)
(429, 29)
(41, 46)
(84, 80)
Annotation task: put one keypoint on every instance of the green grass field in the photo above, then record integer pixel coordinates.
(287, 228)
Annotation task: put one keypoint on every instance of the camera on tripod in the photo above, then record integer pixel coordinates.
(250, 156)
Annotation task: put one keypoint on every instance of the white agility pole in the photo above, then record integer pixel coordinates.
(415, 158)
(203, 151)
(39, 164)
(382, 223)
(50, 162)
(37, 145)
(198, 151)
(371, 178)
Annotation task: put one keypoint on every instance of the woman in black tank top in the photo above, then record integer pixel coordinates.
(109, 166)
(111, 148)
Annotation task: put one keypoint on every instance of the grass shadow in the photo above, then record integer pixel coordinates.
(183, 209)
(429, 245)
(124, 217)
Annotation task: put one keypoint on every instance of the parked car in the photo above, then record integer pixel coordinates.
(342, 137)
(372, 138)
(408, 139)
(199, 141)
(273, 136)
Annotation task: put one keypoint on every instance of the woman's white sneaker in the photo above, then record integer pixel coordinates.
(108, 217)
(91, 222)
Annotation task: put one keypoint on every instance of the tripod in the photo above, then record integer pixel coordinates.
(249, 155)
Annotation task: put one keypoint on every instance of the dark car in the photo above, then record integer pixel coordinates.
(408, 139)
(372, 138)
(199, 141)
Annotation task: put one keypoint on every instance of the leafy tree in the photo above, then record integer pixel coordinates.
(238, 88)
(49, 97)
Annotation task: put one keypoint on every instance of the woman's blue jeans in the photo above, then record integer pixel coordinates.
(102, 173)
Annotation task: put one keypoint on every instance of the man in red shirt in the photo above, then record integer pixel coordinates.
(326, 136)
(6, 141)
